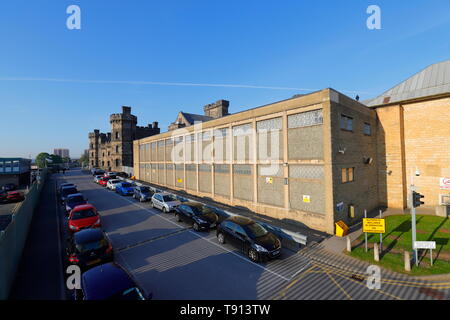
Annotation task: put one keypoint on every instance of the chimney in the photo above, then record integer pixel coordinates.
(155, 124)
(126, 110)
(217, 109)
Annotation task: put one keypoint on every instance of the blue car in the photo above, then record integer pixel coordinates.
(109, 282)
(142, 193)
(125, 188)
(74, 200)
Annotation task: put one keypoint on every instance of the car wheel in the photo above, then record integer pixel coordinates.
(177, 216)
(221, 238)
(164, 210)
(253, 255)
(153, 205)
(196, 226)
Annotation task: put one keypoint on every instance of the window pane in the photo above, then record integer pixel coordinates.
(344, 175)
(350, 124)
(350, 174)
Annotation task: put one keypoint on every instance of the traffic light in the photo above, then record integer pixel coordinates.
(416, 199)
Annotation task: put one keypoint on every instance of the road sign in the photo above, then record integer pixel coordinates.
(374, 225)
(306, 198)
(425, 245)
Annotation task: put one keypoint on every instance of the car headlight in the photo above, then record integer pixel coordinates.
(260, 248)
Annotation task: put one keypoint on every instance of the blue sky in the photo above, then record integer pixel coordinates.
(291, 44)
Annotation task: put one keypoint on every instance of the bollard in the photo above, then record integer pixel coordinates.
(376, 253)
(407, 261)
(349, 244)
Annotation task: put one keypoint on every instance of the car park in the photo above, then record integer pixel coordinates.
(125, 188)
(9, 187)
(165, 202)
(14, 196)
(199, 216)
(66, 191)
(83, 217)
(103, 181)
(250, 237)
(88, 248)
(74, 200)
(112, 184)
(109, 281)
(142, 193)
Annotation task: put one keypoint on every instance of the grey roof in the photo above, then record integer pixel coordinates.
(433, 80)
(192, 118)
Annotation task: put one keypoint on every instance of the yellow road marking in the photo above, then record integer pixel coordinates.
(337, 284)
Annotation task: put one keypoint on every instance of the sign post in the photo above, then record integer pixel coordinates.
(381, 235)
(374, 226)
(365, 233)
(427, 245)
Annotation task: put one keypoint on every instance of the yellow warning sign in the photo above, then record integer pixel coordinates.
(374, 225)
(180, 180)
(306, 198)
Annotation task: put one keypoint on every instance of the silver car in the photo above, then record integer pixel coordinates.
(165, 202)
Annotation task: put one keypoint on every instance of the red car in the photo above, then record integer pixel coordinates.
(13, 196)
(83, 217)
(103, 181)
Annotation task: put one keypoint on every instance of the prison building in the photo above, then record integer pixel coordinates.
(310, 159)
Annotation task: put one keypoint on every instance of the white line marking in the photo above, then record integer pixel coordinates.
(199, 236)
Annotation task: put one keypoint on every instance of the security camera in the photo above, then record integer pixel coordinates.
(417, 172)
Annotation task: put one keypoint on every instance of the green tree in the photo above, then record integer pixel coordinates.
(84, 160)
(41, 159)
(56, 159)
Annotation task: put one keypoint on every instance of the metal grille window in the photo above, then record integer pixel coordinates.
(161, 166)
(367, 130)
(245, 129)
(346, 123)
(178, 140)
(274, 170)
(190, 138)
(220, 133)
(169, 166)
(153, 145)
(161, 143)
(306, 172)
(169, 142)
(305, 119)
(191, 167)
(204, 168)
(242, 169)
(206, 135)
(221, 168)
(270, 124)
(179, 167)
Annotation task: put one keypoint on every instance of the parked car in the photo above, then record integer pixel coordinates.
(97, 171)
(97, 178)
(221, 214)
(88, 248)
(103, 181)
(63, 185)
(125, 188)
(110, 174)
(14, 196)
(9, 187)
(66, 191)
(250, 237)
(142, 193)
(83, 217)
(74, 200)
(164, 202)
(109, 282)
(123, 174)
(3, 195)
(112, 184)
(199, 216)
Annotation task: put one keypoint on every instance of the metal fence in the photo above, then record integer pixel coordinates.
(13, 238)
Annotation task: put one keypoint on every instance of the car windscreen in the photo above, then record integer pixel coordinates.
(67, 191)
(145, 190)
(201, 210)
(255, 230)
(126, 185)
(76, 199)
(94, 245)
(83, 214)
(167, 198)
(114, 181)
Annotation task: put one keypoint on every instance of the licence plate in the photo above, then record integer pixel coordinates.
(274, 253)
(93, 262)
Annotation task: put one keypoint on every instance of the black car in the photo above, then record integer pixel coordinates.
(199, 216)
(88, 248)
(109, 282)
(65, 191)
(9, 187)
(142, 193)
(123, 174)
(97, 172)
(250, 237)
(63, 185)
(74, 200)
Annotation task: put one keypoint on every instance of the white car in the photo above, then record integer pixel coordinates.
(110, 173)
(111, 184)
(97, 177)
(165, 202)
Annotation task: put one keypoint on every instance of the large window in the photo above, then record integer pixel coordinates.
(346, 123)
(367, 130)
(305, 119)
(347, 175)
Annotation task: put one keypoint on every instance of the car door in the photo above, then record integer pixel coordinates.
(240, 237)
(186, 214)
(158, 201)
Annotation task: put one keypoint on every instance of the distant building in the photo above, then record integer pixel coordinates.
(63, 153)
(114, 150)
(15, 170)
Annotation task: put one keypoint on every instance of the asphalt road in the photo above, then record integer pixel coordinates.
(173, 261)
